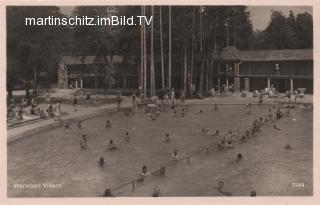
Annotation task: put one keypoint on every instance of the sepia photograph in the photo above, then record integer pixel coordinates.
(159, 100)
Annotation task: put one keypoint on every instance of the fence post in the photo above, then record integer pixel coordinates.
(133, 186)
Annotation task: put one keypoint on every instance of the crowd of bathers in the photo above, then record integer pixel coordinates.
(229, 140)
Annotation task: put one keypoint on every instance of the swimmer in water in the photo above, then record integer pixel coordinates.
(243, 138)
(127, 137)
(83, 142)
(111, 145)
(183, 113)
(167, 138)
(175, 155)
(175, 114)
(144, 173)
(222, 144)
(221, 189)
(66, 125)
(204, 130)
(216, 133)
(276, 128)
(107, 193)
(108, 125)
(101, 162)
(79, 124)
(156, 191)
(215, 108)
(253, 193)
(229, 144)
(288, 147)
(248, 134)
(152, 117)
(82, 146)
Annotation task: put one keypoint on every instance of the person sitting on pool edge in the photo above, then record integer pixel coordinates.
(111, 145)
(144, 173)
(175, 155)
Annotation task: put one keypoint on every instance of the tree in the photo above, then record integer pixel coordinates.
(170, 46)
(152, 74)
(304, 30)
(161, 44)
(32, 50)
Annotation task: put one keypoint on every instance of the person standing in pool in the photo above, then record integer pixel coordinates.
(75, 103)
(83, 142)
(101, 162)
(127, 137)
(134, 98)
(108, 125)
(175, 155)
(119, 100)
(167, 138)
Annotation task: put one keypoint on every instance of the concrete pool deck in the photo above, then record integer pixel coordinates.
(87, 112)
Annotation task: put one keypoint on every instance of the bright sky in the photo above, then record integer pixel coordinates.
(260, 15)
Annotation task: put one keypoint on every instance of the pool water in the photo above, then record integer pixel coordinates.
(55, 157)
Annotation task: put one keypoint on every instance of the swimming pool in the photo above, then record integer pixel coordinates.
(55, 157)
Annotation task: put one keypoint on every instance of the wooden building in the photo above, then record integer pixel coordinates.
(90, 72)
(286, 70)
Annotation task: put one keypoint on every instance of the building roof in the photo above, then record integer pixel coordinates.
(82, 60)
(232, 53)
